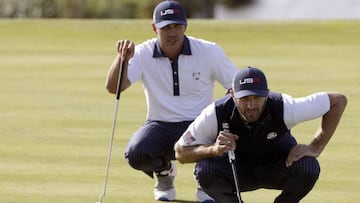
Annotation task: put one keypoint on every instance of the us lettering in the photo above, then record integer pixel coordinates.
(246, 80)
(166, 12)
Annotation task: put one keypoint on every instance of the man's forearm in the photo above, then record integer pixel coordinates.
(191, 154)
(113, 76)
(329, 121)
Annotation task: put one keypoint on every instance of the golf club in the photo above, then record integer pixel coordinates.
(118, 90)
(232, 159)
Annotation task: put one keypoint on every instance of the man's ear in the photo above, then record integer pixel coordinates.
(154, 27)
(231, 92)
(228, 91)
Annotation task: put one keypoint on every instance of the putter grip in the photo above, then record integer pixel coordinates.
(225, 126)
(120, 78)
(231, 154)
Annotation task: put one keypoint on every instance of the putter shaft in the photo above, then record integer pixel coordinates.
(118, 90)
(232, 160)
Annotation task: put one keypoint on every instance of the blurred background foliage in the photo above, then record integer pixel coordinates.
(104, 8)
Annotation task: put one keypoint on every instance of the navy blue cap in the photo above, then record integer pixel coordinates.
(250, 82)
(169, 12)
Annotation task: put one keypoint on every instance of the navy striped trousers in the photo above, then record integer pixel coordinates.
(151, 147)
(216, 178)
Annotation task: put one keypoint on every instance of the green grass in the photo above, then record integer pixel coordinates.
(56, 114)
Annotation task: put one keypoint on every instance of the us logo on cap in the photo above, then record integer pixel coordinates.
(249, 81)
(169, 12)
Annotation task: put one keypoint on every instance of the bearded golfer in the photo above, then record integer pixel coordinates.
(267, 154)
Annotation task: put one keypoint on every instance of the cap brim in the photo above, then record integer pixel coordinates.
(168, 22)
(245, 93)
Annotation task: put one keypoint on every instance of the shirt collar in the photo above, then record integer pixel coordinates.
(185, 50)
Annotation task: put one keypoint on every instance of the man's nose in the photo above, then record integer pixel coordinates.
(250, 104)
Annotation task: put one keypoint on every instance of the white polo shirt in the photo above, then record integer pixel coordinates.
(204, 130)
(201, 64)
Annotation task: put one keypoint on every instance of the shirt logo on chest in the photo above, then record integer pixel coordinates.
(196, 75)
(271, 136)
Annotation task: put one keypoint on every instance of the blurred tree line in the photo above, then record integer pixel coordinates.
(103, 8)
